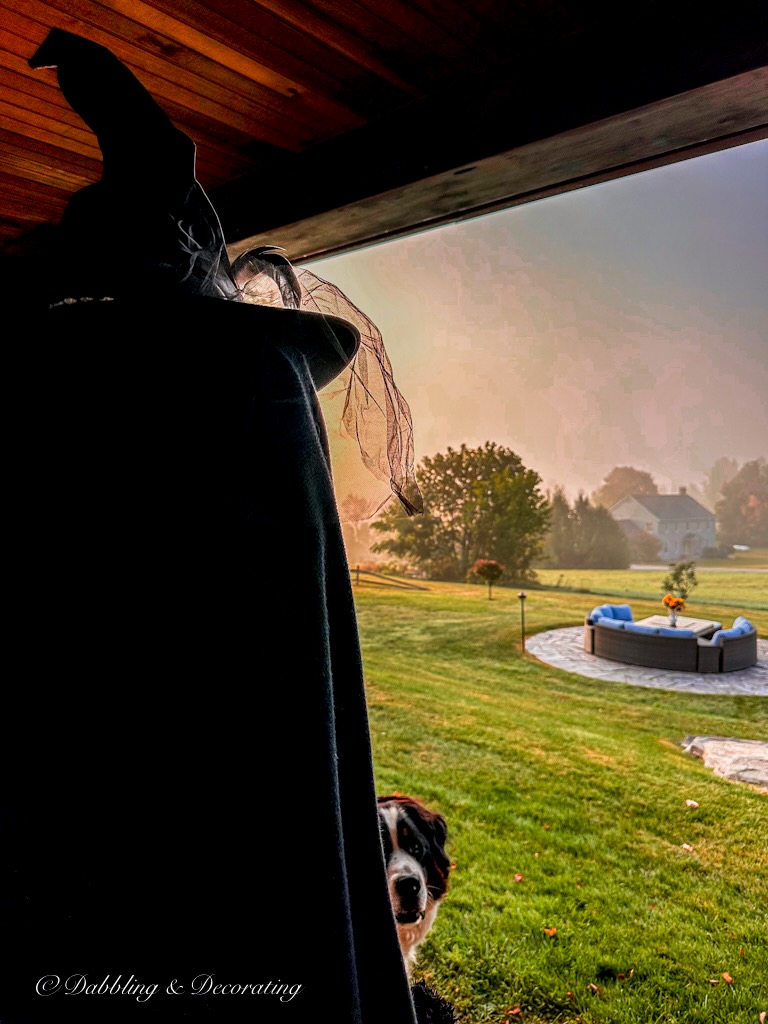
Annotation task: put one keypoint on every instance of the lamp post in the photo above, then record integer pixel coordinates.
(522, 596)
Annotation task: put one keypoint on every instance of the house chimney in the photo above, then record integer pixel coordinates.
(682, 490)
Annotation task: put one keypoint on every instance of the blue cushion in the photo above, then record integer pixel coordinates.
(623, 612)
(603, 611)
(726, 634)
(744, 624)
(633, 627)
(612, 623)
(668, 631)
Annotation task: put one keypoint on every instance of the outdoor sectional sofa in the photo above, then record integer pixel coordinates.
(611, 632)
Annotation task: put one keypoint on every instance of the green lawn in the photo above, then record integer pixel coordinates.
(755, 558)
(580, 787)
(747, 590)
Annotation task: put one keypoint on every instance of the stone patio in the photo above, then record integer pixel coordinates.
(564, 648)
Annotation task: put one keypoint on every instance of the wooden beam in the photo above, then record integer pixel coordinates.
(712, 118)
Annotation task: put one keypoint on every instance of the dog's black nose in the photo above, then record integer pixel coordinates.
(407, 887)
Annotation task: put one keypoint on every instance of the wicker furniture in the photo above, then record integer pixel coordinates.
(610, 632)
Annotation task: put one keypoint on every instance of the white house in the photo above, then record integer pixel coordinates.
(683, 525)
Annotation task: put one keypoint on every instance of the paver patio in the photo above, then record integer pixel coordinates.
(564, 648)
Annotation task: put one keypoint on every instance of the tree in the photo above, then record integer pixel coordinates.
(721, 472)
(477, 501)
(487, 569)
(643, 546)
(584, 536)
(681, 581)
(742, 511)
(621, 482)
(355, 528)
(560, 544)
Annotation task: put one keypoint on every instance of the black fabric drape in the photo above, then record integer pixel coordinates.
(189, 787)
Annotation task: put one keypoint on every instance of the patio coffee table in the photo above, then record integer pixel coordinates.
(698, 626)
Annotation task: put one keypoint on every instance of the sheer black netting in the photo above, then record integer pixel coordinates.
(365, 413)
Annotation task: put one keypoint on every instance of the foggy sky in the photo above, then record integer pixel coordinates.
(621, 324)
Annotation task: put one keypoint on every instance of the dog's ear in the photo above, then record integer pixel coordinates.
(436, 829)
(441, 829)
(433, 823)
(439, 869)
(386, 799)
(439, 838)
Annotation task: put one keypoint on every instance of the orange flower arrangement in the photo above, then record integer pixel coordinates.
(675, 604)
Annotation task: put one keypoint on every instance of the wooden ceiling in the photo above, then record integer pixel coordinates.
(325, 124)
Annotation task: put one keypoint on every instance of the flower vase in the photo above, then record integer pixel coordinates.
(673, 618)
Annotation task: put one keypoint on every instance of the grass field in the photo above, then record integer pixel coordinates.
(580, 787)
(731, 589)
(755, 558)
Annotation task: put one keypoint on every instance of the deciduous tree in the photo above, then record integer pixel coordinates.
(477, 501)
(742, 511)
(681, 580)
(721, 472)
(356, 529)
(489, 570)
(621, 482)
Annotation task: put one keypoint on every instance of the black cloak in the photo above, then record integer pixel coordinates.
(189, 788)
(190, 821)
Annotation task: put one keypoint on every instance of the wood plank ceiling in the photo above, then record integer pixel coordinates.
(324, 124)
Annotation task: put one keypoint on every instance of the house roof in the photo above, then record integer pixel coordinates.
(671, 506)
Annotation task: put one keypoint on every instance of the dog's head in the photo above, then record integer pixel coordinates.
(413, 839)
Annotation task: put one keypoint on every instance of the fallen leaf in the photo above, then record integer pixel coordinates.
(621, 976)
(535, 855)
(518, 878)
(546, 828)
(688, 847)
(594, 988)
(514, 1011)
(742, 951)
(453, 866)
(714, 981)
(727, 978)
(763, 1015)
(692, 803)
(651, 906)
(632, 973)
(550, 931)
(572, 996)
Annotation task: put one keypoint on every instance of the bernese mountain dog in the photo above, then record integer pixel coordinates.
(413, 839)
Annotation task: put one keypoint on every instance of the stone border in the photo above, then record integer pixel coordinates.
(564, 649)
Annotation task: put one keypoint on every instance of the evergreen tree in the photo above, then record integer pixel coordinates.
(584, 536)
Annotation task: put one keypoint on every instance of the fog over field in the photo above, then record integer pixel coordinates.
(621, 324)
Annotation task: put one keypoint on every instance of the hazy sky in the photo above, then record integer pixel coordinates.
(621, 324)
